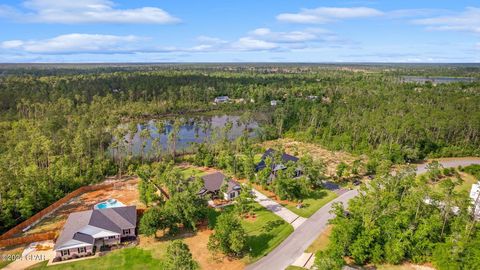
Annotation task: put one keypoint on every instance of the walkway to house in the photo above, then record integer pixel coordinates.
(278, 209)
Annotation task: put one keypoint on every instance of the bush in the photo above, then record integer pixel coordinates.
(57, 259)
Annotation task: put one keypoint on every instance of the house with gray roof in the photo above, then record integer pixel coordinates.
(213, 183)
(87, 231)
(279, 163)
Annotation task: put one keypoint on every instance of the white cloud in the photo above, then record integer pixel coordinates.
(328, 14)
(252, 44)
(468, 21)
(75, 43)
(85, 11)
(293, 36)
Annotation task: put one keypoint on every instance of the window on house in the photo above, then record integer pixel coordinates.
(112, 237)
(82, 250)
(65, 252)
(127, 231)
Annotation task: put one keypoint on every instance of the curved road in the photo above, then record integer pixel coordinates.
(294, 246)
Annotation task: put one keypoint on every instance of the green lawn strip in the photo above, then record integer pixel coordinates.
(322, 241)
(292, 267)
(313, 202)
(127, 258)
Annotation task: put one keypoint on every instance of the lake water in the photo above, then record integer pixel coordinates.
(419, 79)
(196, 129)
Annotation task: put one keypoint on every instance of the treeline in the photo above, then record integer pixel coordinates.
(56, 130)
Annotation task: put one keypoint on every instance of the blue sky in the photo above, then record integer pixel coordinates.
(239, 31)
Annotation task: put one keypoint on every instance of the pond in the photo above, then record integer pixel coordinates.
(437, 80)
(194, 129)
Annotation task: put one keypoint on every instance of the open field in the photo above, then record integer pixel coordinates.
(127, 194)
(330, 158)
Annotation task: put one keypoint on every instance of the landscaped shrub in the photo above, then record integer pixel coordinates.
(57, 259)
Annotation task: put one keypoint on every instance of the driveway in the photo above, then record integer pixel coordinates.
(293, 247)
(278, 209)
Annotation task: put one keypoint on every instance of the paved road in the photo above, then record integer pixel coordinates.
(293, 247)
(450, 163)
(279, 210)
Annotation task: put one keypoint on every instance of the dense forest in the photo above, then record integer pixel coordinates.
(57, 122)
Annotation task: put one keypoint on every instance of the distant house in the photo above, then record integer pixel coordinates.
(222, 99)
(277, 165)
(274, 102)
(88, 231)
(213, 183)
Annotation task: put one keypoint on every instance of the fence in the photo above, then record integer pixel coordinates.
(28, 239)
(38, 216)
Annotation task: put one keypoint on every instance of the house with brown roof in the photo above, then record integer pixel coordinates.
(215, 184)
(88, 231)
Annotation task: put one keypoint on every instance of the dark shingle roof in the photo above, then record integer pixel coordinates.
(213, 182)
(271, 153)
(110, 219)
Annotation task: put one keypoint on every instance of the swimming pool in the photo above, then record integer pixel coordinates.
(110, 203)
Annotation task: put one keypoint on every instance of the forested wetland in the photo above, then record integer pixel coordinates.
(59, 130)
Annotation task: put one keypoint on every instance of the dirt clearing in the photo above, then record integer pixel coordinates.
(299, 149)
(126, 192)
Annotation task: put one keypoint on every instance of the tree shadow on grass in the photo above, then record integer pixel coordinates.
(272, 224)
(316, 194)
(258, 243)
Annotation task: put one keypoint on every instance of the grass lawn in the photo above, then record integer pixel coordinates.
(265, 232)
(292, 267)
(468, 181)
(314, 201)
(190, 171)
(127, 258)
